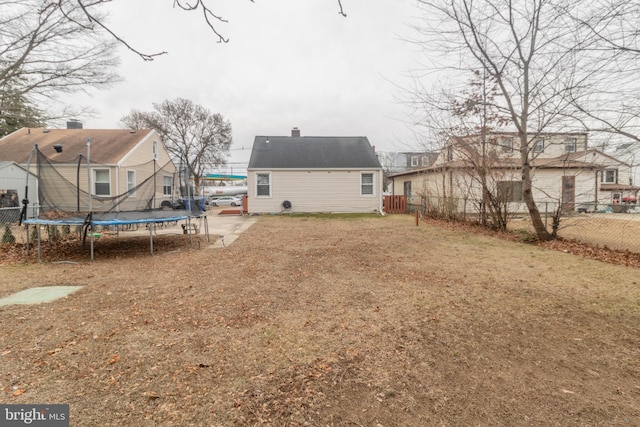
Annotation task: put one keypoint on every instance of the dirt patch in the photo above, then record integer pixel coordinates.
(313, 321)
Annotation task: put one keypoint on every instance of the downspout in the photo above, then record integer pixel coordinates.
(380, 196)
(78, 183)
(118, 184)
(595, 207)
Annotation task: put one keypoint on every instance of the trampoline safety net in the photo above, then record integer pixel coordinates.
(62, 187)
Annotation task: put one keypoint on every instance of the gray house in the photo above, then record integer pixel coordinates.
(13, 183)
(313, 174)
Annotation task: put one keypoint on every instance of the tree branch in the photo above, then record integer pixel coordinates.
(341, 12)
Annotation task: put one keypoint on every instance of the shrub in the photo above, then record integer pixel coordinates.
(7, 236)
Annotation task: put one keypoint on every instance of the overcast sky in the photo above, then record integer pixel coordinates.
(288, 63)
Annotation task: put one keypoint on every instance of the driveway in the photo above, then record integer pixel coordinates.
(225, 229)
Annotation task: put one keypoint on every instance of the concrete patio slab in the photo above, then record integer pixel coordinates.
(39, 295)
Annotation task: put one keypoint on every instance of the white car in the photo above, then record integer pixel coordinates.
(226, 201)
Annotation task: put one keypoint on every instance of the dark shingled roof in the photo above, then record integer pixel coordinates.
(312, 152)
(107, 145)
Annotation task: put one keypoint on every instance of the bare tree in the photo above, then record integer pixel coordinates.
(93, 19)
(531, 54)
(43, 50)
(192, 134)
(610, 36)
(53, 46)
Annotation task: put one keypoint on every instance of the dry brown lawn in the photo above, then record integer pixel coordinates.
(330, 322)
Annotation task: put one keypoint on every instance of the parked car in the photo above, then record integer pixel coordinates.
(226, 201)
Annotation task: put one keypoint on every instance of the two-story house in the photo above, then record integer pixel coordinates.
(563, 170)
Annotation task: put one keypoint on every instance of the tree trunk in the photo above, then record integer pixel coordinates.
(527, 195)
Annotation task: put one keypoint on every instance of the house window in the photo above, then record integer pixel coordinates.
(570, 145)
(101, 182)
(131, 181)
(366, 184)
(414, 161)
(610, 176)
(450, 153)
(538, 147)
(263, 185)
(506, 144)
(407, 188)
(167, 185)
(510, 191)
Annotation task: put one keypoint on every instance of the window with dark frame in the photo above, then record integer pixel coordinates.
(570, 145)
(506, 143)
(610, 176)
(538, 147)
(407, 188)
(510, 191)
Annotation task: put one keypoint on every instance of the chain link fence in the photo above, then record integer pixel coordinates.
(616, 226)
(10, 230)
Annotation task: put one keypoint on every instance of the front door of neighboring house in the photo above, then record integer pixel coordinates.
(568, 193)
(407, 188)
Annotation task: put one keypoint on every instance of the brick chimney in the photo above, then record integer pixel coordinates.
(295, 132)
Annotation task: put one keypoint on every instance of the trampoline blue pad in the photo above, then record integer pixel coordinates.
(119, 218)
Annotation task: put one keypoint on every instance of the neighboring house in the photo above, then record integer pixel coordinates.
(120, 160)
(630, 153)
(564, 171)
(313, 174)
(13, 186)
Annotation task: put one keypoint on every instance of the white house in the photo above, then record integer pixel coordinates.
(313, 174)
(564, 170)
(13, 187)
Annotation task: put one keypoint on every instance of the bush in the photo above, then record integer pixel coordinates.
(7, 236)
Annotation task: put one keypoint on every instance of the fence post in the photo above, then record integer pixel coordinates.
(417, 223)
(546, 215)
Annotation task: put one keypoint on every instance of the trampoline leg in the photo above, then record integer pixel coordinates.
(39, 248)
(26, 227)
(151, 238)
(206, 227)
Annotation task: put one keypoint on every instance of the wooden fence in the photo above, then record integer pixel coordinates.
(395, 204)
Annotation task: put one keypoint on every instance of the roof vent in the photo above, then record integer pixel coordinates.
(74, 124)
(295, 132)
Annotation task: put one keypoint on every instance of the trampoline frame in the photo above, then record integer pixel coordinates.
(120, 218)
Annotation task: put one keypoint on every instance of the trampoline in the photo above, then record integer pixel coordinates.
(122, 218)
(64, 199)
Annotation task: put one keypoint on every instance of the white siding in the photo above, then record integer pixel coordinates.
(547, 186)
(315, 191)
(14, 177)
